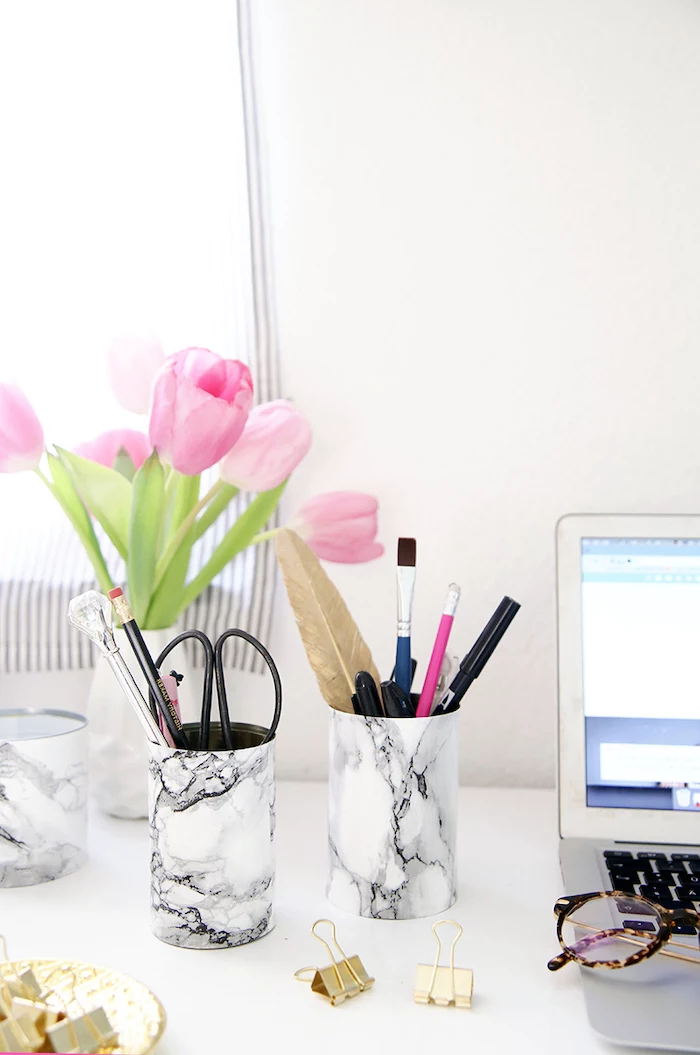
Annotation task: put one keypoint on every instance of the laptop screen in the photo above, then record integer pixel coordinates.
(641, 672)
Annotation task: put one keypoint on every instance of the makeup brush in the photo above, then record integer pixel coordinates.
(405, 580)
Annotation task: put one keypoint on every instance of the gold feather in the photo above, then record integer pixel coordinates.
(332, 641)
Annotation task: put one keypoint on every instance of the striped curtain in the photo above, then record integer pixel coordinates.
(42, 564)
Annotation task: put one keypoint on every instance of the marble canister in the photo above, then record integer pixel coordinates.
(212, 821)
(393, 785)
(43, 795)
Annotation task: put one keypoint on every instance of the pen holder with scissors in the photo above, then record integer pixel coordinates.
(393, 786)
(212, 821)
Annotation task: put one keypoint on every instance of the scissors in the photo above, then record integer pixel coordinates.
(214, 667)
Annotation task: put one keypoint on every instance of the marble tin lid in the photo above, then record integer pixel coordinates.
(21, 723)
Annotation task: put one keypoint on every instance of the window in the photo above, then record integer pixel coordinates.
(131, 203)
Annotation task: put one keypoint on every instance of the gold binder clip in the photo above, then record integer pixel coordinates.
(444, 985)
(342, 978)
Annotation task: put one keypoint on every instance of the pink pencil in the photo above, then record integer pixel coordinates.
(425, 702)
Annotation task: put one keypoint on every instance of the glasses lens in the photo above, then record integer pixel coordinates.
(609, 929)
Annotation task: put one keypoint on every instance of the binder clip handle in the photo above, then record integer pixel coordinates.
(438, 954)
(344, 960)
(444, 985)
(344, 977)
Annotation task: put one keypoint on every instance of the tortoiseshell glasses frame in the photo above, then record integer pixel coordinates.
(660, 942)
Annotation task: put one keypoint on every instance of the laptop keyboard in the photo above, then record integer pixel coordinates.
(672, 880)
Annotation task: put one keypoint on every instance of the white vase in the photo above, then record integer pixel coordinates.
(118, 746)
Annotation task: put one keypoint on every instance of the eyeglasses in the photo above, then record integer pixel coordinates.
(611, 929)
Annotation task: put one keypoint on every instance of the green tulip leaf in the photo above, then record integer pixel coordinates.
(147, 510)
(236, 539)
(215, 508)
(123, 464)
(170, 580)
(106, 493)
(63, 489)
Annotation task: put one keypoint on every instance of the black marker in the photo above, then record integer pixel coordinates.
(397, 703)
(366, 699)
(478, 656)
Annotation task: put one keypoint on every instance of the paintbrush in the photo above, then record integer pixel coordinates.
(405, 581)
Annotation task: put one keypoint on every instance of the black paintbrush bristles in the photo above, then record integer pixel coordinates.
(406, 557)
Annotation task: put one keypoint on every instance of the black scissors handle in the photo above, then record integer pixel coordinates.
(221, 684)
(198, 635)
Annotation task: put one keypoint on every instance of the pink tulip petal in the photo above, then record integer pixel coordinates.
(347, 554)
(275, 439)
(340, 526)
(213, 380)
(21, 434)
(200, 406)
(132, 365)
(337, 505)
(104, 448)
(356, 530)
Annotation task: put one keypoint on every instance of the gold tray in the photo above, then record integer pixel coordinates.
(135, 1013)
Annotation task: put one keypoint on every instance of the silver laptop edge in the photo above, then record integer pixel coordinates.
(640, 1006)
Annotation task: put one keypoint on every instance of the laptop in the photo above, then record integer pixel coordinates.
(628, 599)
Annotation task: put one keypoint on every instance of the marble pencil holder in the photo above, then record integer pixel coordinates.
(43, 795)
(393, 786)
(212, 822)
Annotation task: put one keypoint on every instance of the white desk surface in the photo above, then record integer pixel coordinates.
(223, 1000)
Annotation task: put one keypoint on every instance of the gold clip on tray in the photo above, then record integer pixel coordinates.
(444, 985)
(342, 978)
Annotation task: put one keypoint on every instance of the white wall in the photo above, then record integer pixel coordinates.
(486, 220)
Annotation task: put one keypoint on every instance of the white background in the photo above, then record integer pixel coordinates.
(641, 650)
(486, 219)
(485, 223)
(122, 157)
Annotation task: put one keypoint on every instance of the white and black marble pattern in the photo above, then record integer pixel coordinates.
(43, 808)
(212, 821)
(392, 823)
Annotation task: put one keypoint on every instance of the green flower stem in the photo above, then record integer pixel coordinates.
(223, 496)
(264, 536)
(184, 529)
(80, 519)
(240, 535)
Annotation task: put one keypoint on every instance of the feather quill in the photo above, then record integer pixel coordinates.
(334, 645)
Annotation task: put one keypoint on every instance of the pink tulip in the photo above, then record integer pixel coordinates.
(340, 526)
(275, 439)
(21, 434)
(105, 447)
(200, 406)
(132, 365)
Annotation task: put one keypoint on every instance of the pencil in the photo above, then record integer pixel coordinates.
(145, 661)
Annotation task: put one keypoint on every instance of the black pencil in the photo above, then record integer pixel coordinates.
(145, 661)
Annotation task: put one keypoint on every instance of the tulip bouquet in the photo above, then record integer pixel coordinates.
(145, 491)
